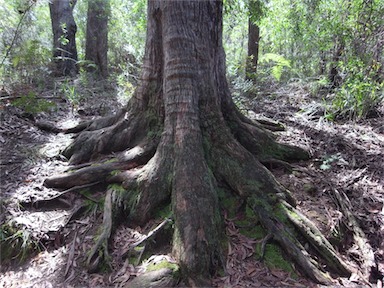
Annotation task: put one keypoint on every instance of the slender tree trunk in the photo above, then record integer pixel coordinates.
(64, 31)
(253, 49)
(334, 76)
(96, 46)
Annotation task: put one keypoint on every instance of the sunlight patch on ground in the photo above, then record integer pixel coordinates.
(43, 222)
(44, 270)
(68, 123)
(55, 145)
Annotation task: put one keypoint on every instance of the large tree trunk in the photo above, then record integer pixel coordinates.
(64, 42)
(96, 45)
(180, 138)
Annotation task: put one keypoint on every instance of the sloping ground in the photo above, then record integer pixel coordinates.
(347, 160)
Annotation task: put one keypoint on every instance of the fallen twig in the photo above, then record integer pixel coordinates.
(146, 237)
(71, 255)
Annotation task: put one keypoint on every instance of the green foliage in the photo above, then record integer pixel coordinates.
(26, 40)
(279, 63)
(360, 93)
(235, 31)
(332, 159)
(318, 84)
(32, 105)
(71, 93)
(164, 212)
(16, 243)
(91, 204)
(127, 31)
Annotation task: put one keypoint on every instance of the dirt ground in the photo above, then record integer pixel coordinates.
(347, 160)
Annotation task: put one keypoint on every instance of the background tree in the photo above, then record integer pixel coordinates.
(256, 10)
(334, 37)
(64, 31)
(25, 42)
(182, 143)
(96, 45)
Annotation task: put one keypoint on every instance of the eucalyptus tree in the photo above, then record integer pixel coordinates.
(96, 45)
(180, 142)
(64, 36)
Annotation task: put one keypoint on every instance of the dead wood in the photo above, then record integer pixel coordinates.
(366, 255)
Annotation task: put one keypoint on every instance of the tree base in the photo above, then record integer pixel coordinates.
(142, 178)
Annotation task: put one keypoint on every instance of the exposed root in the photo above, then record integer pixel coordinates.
(159, 278)
(291, 246)
(256, 138)
(263, 245)
(270, 125)
(264, 147)
(100, 250)
(131, 159)
(272, 163)
(124, 132)
(367, 256)
(246, 176)
(97, 123)
(175, 170)
(317, 240)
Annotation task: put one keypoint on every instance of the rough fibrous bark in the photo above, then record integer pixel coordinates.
(253, 47)
(180, 138)
(96, 45)
(64, 30)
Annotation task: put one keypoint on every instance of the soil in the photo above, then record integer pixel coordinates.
(347, 157)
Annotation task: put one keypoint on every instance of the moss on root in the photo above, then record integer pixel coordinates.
(274, 258)
(165, 264)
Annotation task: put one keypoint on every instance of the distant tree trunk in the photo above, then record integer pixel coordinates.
(322, 63)
(64, 42)
(253, 49)
(96, 46)
(334, 76)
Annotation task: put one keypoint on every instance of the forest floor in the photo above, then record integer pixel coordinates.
(347, 159)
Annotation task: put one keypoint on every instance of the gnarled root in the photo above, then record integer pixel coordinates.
(183, 168)
(100, 249)
(159, 278)
(252, 181)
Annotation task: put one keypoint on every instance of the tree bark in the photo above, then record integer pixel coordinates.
(96, 45)
(179, 139)
(253, 48)
(334, 76)
(64, 31)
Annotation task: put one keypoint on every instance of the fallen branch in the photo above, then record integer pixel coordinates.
(366, 256)
(71, 255)
(146, 237)
(94, 258)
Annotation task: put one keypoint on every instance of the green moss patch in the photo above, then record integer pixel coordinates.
(274, 259)
(165, 264)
